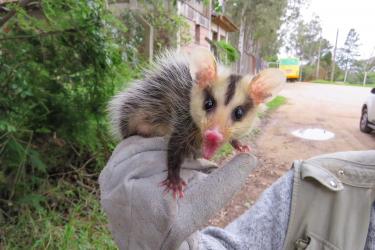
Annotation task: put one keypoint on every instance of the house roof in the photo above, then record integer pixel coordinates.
(224, 22)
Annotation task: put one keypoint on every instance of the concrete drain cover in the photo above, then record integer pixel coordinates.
(316, 134)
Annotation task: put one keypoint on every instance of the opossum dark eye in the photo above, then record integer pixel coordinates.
(238, 113)
(209, 103)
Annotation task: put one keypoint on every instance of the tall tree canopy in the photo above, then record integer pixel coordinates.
(349, 52)
(260, 24)
(306, 40)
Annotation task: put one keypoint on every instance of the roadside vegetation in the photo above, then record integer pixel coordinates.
(276, 103)
(344, 83)
(72, 220)
(321, 60)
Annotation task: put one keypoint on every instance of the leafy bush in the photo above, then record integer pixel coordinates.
(58, 67)
(226, 52)
(371, 78)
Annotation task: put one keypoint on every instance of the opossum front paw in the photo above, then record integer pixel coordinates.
(240, 147)
(174, 184)
(243, 148)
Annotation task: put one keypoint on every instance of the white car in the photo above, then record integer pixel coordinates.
(367, 123)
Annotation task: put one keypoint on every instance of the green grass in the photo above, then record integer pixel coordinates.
(321, 81)
(71, 219)
(223, 152)
(276, 102)
(343, 84)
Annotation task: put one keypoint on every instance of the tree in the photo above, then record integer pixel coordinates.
(349, 52)
(325, 65)
(156, 22)
(260, 23)
(306, 39)
(369, 67)
(307, 43)
(361, 69)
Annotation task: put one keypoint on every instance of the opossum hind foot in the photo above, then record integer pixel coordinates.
(175, 184)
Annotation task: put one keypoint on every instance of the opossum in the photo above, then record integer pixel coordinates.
(197, 103)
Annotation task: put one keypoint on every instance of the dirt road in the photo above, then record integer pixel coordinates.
(330, 107)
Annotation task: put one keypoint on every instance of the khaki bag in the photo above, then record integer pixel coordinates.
(331, 203)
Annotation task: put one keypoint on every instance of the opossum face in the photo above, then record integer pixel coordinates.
(223, 105)
(222, 111)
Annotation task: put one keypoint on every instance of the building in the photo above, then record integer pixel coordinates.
(205, 26)
(221, 26)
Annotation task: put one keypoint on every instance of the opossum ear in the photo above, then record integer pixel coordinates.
(264, 86)
(203, 68)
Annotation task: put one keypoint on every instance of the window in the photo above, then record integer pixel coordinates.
(214, 36)
(197, 33)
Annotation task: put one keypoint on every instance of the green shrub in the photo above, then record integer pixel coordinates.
(226, 52)
(58, 69)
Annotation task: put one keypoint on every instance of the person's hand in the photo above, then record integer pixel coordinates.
(141, 216)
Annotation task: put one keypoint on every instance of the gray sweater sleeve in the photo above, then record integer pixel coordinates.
(263, 226)
(141, 216)
(370, 243)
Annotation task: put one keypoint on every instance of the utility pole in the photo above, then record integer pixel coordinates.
(318, 63)
(334, 58)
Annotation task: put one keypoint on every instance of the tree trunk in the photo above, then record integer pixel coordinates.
(318, 63)
(346, 71)
(241, 38)
(240, 44)
(365, 78)
(346, 75)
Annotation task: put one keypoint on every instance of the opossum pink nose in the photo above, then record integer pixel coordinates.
(213, 136)
(212, 139)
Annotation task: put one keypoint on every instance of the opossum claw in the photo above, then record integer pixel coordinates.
(175, 185)
(240, 147)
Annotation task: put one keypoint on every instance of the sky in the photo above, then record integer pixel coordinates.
(344, 15)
